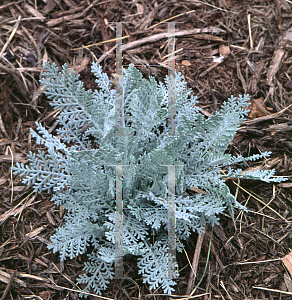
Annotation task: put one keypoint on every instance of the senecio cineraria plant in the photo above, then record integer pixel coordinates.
(79, 165)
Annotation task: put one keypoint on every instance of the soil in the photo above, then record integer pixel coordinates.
(223, 48)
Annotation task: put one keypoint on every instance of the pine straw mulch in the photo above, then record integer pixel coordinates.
(223, 48)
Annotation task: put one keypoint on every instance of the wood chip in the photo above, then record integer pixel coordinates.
(65, 18)
(34, 277)
(17, 157)
(288, 283)
(279, 55)
(287, 261)
(35, 232)
(79, 66)
(34, 12)
(186, 63)
(5, 277)
(285, 185)
(224, 50)
(50, 218)
(17, 210)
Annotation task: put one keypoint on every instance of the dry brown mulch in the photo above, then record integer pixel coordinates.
(223, 48)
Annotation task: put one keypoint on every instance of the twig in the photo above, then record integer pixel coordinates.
(79, 291)
(2, 127)
(171, 18)
(2, 7)
(249, 30)
(279, 54)
(10, 37)
(13, 72)
(223, 286)
(200, 34)
(106, 54)
(11, 174)
(219, 8)
(206, 265)
(8, 286)
(195, 264)
(268, 117)
(271, 290)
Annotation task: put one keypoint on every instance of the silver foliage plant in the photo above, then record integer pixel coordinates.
(78, 167)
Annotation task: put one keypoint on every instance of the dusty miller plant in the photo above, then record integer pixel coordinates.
(79, 167)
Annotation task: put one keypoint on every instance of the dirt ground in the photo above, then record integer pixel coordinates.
(223, 48)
